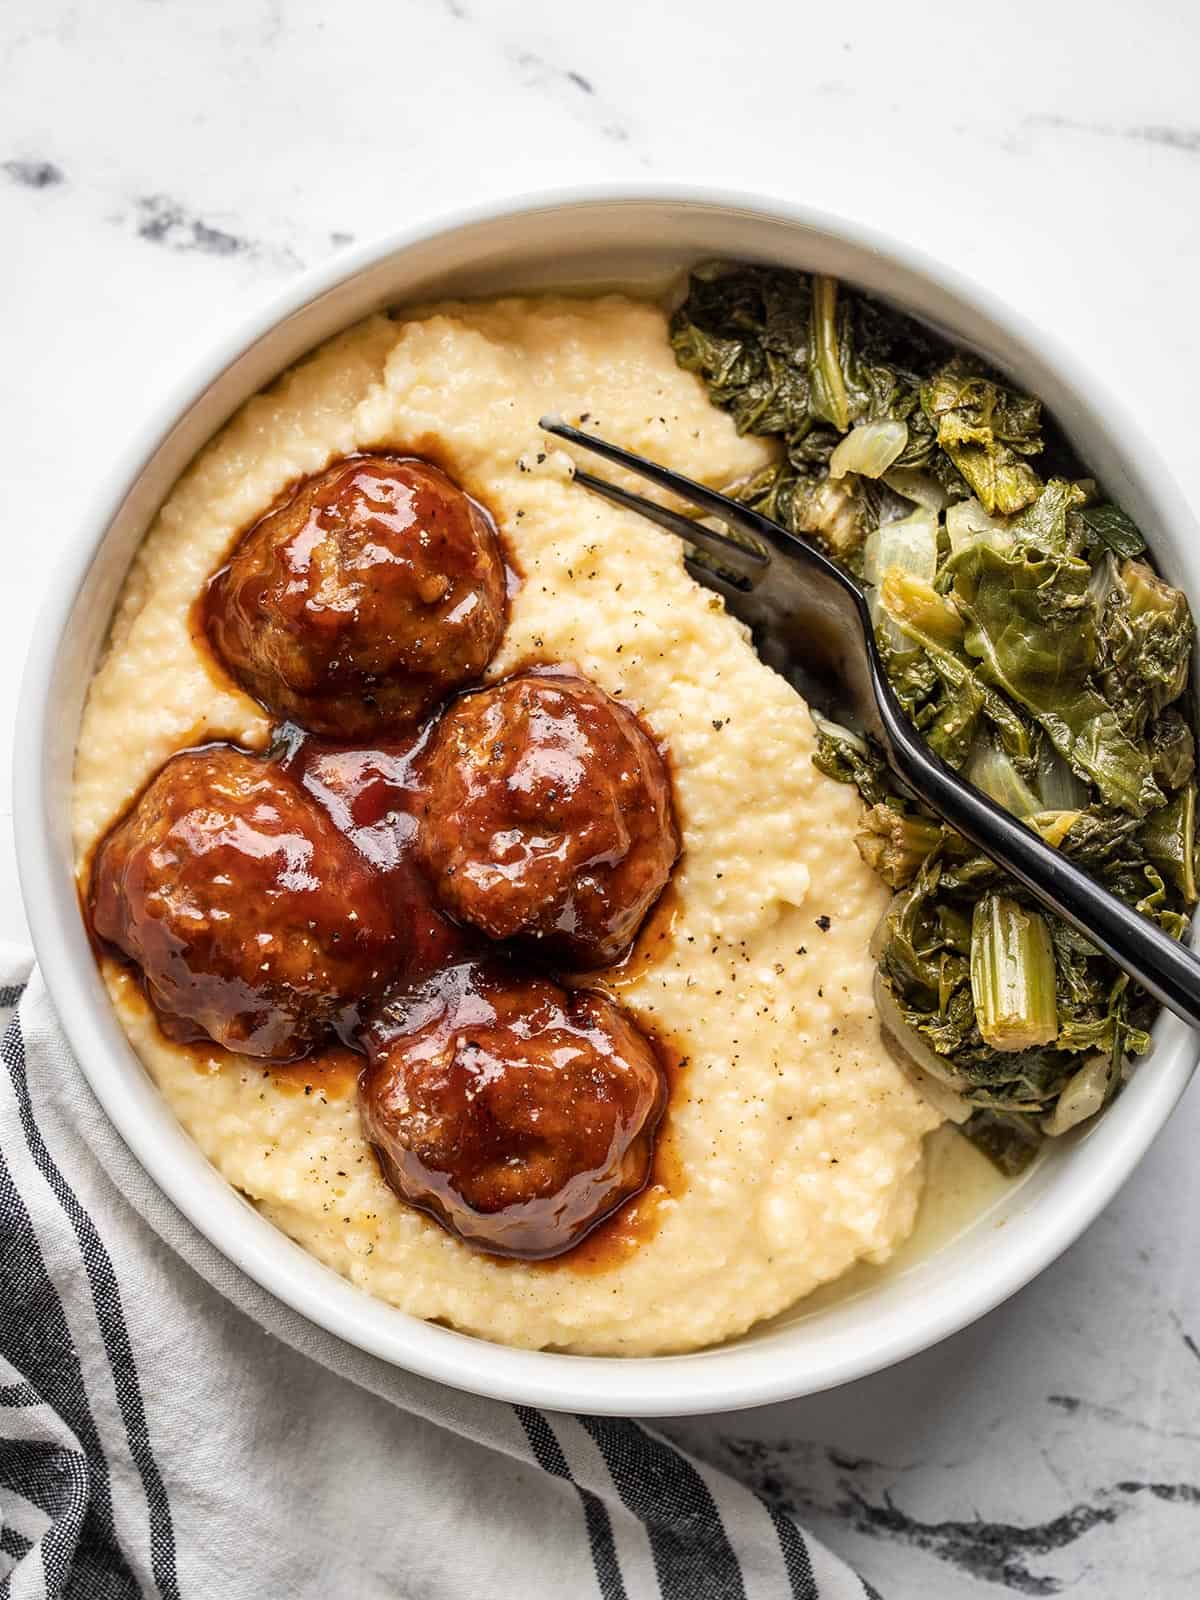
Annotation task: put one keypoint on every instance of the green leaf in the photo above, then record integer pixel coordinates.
(845, 759)
(1032, 628)
(1109, 526)
(837, 512)
(1169, 839)
(1044, 522)
(952, 723)
(1144, 638)
(985, 429)
(1009, 1142)
(915, 948)
(745, 332)
(1172, 749)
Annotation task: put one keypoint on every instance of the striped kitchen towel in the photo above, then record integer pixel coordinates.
(169, 1429)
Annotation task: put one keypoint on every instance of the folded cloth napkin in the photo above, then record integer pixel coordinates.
(167, 1428)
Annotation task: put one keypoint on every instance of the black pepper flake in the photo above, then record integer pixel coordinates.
(824, 924)
(803, 950)
(717, 723)
(541, 456)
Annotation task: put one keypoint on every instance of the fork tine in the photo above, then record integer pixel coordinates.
(696, 494)
(724, 584)
(747, 564)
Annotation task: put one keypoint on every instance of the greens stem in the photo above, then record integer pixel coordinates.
(1012, 975)
(895, 845)
(826, 364)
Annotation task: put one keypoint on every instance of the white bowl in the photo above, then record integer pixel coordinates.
(602, 237)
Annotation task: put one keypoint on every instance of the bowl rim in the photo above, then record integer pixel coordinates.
(642, 1385)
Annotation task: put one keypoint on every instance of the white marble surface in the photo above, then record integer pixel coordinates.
(165, 167)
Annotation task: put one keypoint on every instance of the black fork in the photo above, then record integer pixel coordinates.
(810, 621)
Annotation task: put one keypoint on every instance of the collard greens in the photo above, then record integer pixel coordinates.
(1031, 627)
(1046, 659)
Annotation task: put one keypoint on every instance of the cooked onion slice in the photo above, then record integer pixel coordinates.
(869, 449)
(1083, 1096)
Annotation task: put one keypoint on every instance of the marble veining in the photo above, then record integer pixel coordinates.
(164, 221)
(861, 1494)
(34, 174)
(1189, 1343)
(534, 70)
(1186, 139)
(163, 169)
(172, 225)
(1114, 1417)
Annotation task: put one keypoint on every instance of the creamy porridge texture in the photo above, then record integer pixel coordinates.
(793, 1145)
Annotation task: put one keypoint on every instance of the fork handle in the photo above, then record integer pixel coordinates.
(1169, 970)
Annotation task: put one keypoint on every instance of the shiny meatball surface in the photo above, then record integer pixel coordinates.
(254, 921)
(548, 816)
(374, 592)
(517, 1112)
(373, 797)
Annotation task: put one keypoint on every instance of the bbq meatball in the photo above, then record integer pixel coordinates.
(517, 1112)
(254, 921)
(378, 589)
(372, 796)
(548, 816)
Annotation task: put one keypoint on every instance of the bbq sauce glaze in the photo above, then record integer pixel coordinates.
(521, 1150)
(374, 799)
